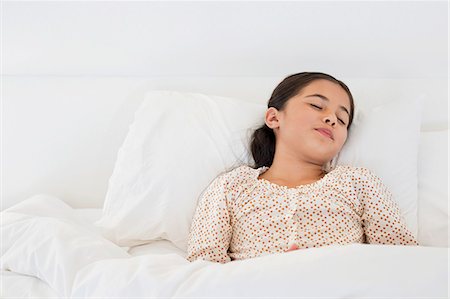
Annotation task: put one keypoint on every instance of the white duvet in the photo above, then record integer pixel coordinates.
(43, 237)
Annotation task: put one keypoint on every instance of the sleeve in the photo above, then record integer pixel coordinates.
(210, 233)
(382, 219)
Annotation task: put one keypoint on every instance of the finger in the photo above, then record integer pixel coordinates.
(293, 247)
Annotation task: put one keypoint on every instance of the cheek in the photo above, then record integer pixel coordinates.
(295, 125)
(343, 136)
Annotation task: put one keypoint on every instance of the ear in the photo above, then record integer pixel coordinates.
(272, 118)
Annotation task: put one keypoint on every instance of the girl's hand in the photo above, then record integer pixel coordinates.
(293, 247)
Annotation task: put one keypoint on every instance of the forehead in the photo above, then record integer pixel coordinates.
(333, 91)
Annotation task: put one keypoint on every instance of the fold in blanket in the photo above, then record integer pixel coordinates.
(43, 237)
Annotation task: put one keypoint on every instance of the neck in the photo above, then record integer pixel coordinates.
(291, 171)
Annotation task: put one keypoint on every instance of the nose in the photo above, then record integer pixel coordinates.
(329, 119)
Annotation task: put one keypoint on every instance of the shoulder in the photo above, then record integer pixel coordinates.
(353, 171)
(355, 174)
(238, 176)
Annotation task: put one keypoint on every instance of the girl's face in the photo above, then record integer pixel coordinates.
(313, 124)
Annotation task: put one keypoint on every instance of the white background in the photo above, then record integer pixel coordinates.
(381, 39)
(73, 73)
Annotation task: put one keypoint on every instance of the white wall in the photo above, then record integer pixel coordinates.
(73, 73)
(235, 38)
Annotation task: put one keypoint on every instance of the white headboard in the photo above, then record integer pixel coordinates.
(75, 72)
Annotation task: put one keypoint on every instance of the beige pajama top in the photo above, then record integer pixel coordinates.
(240, 216)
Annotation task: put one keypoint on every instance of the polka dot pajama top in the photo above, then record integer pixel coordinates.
(240, 216)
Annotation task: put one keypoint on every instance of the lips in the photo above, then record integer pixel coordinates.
(325, 132)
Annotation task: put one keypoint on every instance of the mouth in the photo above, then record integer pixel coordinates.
(326, 133)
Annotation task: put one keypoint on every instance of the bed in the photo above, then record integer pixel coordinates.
(103, 165)
(133, 247)
(76, 262)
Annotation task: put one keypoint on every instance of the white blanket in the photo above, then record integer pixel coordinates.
(45, 238)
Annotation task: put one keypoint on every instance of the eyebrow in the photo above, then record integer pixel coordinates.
(326, 99)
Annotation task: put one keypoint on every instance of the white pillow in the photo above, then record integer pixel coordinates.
(433, 212)
(385, 139)
(179, 142)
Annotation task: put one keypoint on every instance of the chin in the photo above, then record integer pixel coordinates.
(325, 155)
(320, 152)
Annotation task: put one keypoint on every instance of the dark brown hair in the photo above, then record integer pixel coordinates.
(262, 143)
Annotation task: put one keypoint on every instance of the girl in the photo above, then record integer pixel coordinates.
(294, 197)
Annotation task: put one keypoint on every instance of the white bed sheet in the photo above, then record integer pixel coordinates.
(159, 269)
(16, 285)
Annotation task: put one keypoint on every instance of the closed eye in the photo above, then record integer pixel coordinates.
(341, 121)
(320, 108)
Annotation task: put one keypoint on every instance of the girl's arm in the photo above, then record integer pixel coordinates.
(210, 233)
(382, 220)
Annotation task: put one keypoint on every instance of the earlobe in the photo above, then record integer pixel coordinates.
(271, 118)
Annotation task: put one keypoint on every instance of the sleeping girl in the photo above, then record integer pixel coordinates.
(294, 196)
